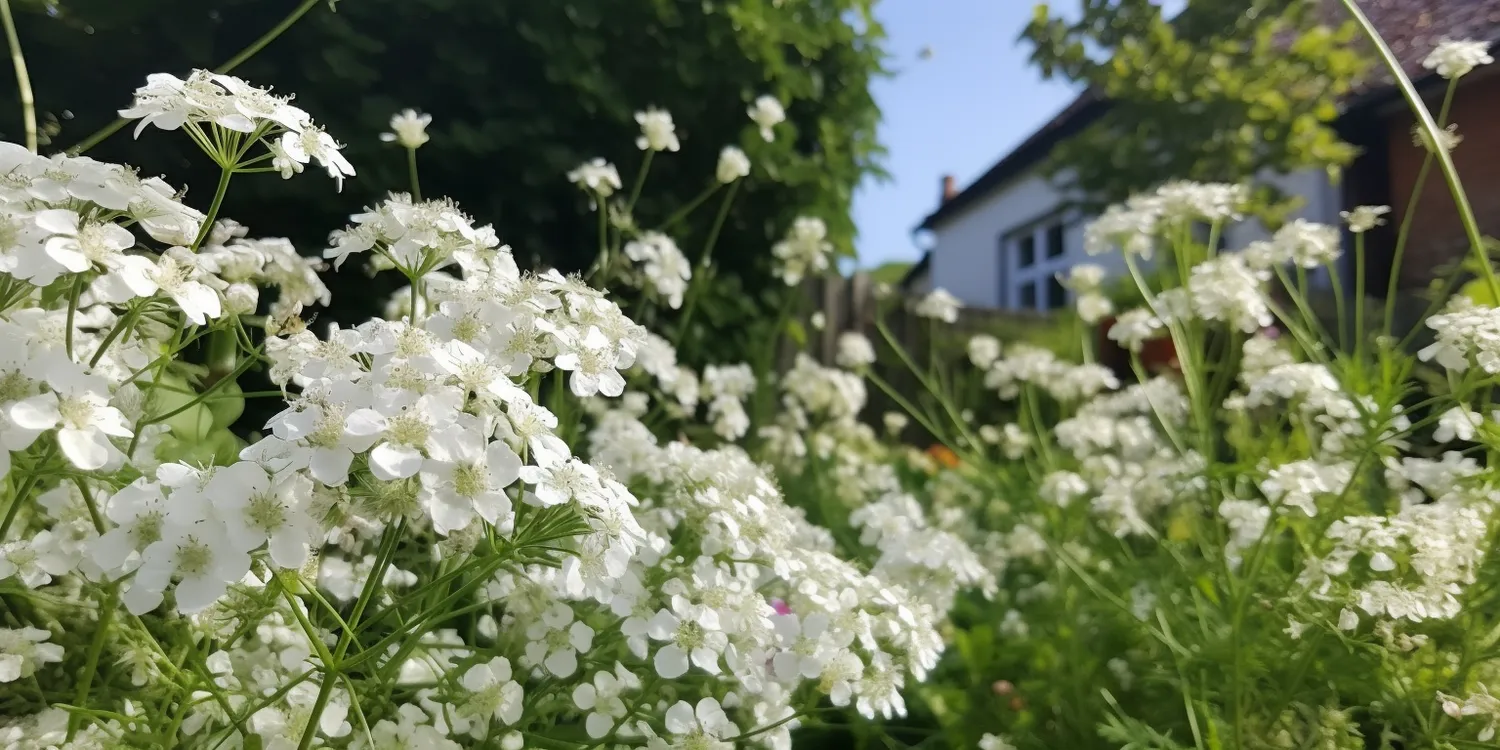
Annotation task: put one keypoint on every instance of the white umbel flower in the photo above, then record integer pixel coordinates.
(939, 304)
(596, 176)
(1364, 218)
(23, 650)
(733, 164)
(408, 129)
(1457, 58)
(767, 113)
(657, 131)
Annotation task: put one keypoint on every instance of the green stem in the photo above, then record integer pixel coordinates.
(234, 62)
(1404, 232)
(32, 479)
(1430, 127)
(213, 208)
(23, 79)
(640, 181)
(700, 282)
(96, 647)
(411, 167)
(73, 295)
(1359, 298)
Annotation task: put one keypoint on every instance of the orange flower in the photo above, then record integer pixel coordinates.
(943, 455)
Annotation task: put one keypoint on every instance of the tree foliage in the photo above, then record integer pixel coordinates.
(1223, 91)
(520, 92)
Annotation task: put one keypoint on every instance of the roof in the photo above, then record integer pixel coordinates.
(1411, 28)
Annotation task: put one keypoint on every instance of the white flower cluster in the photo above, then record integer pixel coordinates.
(1029, 365)
(939, 304)
(1086, 280)
(1467, 334)
(805, 250)
(783, 612)
(1133, 226)
(411, 555)
(1457, 58)
(223, 101)
(662, 265)
(1413, 565)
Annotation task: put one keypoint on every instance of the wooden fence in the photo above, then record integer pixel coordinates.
(851, 303)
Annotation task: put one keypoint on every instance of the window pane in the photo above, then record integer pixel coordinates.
(1028, 295)
(1026, 252)
(1057, 297)
(1055, 241)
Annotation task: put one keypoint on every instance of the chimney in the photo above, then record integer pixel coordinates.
(950, 188)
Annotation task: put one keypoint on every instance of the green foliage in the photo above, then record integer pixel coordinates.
(520, 93)
(1221, 92)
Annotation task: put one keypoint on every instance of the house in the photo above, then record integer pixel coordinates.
(1001, 241)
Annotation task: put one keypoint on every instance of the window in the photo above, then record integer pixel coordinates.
(1028, 295)
(1057, 297)
(1032, 255)
(1055, 246)
(1026, 251)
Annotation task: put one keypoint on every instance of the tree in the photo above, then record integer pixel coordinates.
(521, 91)
(1223, 91)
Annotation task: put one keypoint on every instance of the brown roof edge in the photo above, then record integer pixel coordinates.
(1082, 112)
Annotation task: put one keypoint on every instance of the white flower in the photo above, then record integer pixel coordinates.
(1085, 277)
(257, 509)
(805, 250)
(1307, 244)
(180, 274)
(983, 349)
(1457, 423)
(701, 727)
(23, 650)
(597, 176)
(603, 699)
(1294, 629)
(1227, 289)
(408, 129)
(1133, 328)
(855, 350)
(663, 264)
(556, 640)
(592, 360)
(1454, 59)
(466, 477)
(84, 420)
(493, 693)
(939, 305)
(733, 164)
(993, 742)
(767, 113)
(691, 634)
(313, 143)
(657, 131)
(1364, 218)
(1448, 138)
(1093, 307)
(33, 562)
(1348, 619)
(200, 555)
(559, 479)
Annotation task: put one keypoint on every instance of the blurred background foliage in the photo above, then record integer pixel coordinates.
(520, 91)
(1218, 91)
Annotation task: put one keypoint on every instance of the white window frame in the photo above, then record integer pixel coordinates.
(1043, 269)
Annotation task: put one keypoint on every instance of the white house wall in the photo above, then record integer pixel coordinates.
(966, 251)
(967, 256)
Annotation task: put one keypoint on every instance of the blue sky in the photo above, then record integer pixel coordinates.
(956, 112)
